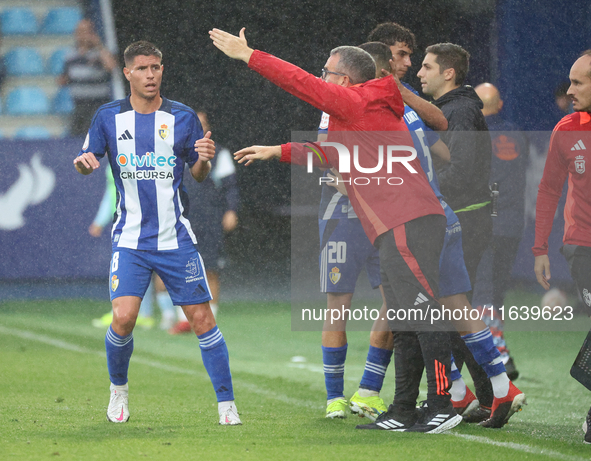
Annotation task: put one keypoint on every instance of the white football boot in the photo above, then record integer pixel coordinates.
(228, 414)
(118, 410)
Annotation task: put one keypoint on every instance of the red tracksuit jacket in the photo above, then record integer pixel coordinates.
(368, 116)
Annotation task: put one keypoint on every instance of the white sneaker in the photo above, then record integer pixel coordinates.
(229, 414)
(118, 411)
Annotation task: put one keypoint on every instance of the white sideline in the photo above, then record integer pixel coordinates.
(151, 363)
(519, 447)
(270, 394)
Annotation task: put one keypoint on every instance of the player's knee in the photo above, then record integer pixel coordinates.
(124, 322)
(202, 317)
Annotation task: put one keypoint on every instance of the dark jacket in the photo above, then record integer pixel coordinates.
(510, 159)
(464, 181)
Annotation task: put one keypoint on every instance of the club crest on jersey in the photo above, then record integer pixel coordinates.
(580, 164)
(335, 275)
(193, 267)
(114, 283)
(163, 132)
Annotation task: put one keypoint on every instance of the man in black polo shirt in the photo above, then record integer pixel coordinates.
(464, 181)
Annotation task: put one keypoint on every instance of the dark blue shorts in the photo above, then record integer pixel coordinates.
(453, 276)
(345, 251)
(181, 271)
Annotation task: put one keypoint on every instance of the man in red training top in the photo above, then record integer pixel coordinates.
(567, 157)
(393, 200)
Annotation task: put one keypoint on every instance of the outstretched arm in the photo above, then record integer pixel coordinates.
(232, 46)
(431, 114)
(253, 153)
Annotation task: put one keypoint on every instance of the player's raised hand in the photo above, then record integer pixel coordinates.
(86, 163)
(542, 270)
(205, 147)
(252, 153)
(230, 45)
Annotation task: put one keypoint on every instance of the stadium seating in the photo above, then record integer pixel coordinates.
(62, 102)
(61, 21)
(27, 100)
(32, 132)
(55, 63)
(18, 21)
(23, 61)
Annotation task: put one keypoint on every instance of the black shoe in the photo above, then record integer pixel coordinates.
(437, 420)
(587, 428)
(394, 420)
(512, 372)
(478, 415)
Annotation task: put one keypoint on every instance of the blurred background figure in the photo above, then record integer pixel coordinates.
(563, 100)
(508, 169)
(3, 69)
(87, 73)
(213, 212)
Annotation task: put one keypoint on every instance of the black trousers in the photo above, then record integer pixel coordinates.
(579, 263)
(476, 236)
(409, 264)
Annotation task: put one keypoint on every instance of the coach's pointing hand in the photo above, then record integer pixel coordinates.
(252, 153)
(230, 45)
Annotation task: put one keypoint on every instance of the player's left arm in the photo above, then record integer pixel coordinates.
(205, 147)
(441, 152)
(430, 113)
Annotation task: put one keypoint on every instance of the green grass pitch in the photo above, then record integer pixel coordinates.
(54, 390)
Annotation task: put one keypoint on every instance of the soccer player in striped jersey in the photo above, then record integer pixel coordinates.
(148, 139)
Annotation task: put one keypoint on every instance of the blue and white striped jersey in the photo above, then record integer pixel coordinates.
(147, 153)
(423, 138)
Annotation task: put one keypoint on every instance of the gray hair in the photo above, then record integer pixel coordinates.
(356, 63)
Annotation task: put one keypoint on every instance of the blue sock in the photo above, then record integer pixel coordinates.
(375, 368)
(214, 353)
(119, 349)
(334, 370)
(454, 373)
(483, 349)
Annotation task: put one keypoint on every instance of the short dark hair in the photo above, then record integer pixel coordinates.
(141, 48)
(451, 56)
(356, 63)
(381, 54)
(390, 33)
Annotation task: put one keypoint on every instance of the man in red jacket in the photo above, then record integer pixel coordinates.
(393, 200)
(567, 156)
